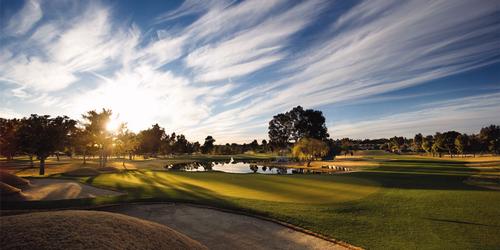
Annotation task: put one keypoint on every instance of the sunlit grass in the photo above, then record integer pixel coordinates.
(395, 201)
(405, 202)
(309, 189)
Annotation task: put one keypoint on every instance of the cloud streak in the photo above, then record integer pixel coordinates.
(235, 64)
(25, 19)
(466, 115)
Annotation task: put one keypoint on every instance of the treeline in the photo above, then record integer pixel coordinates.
(451, 143)
(42, 136)
(302, 132)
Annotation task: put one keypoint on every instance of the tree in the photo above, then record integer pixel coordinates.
(295, 124)
(490, 136)
(438, 144)
(82, 143)
(449, 142)
(95, 125)
(126, 142)
(208, 146)
(427, 143)
(397, 143)
(196, 147)
(150, 140)
(475, 144)
(345, 145)
(264, 146)
(44, 135)
(182, 145)
(417, 143)
(254, 145)
(462, 143)
(309, 149)
(334, 148)
(8, 137)
(279, 130)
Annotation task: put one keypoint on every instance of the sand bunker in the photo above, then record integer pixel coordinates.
(59, 189)
(221, 230)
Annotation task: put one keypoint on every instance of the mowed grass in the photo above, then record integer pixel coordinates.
(407, 202)
(306, 189)
(395, 202)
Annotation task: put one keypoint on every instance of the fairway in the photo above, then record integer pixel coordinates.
(307, 189)
(405, 202)
(401, 201)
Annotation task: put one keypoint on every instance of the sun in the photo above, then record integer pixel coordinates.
(113, 125)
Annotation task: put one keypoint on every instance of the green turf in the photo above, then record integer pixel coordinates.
(408, 202)
(417, 203)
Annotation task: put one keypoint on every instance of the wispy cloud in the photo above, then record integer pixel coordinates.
(253, 48)
(377, 47)
(467, 115)
(197, 76)
(25, 19)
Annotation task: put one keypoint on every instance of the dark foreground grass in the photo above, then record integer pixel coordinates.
(405, 203)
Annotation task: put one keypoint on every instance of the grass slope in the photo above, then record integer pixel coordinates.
(88, 230)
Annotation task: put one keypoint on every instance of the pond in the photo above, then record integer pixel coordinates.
(239, 168)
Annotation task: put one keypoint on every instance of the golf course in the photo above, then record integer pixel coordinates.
(410, 201)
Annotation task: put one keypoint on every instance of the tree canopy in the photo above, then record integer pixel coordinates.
(43, 136)
(297, 123)
(308, 149)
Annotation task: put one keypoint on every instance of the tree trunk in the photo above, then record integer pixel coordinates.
(57, 156)
(42, 166)
(130, 156)
(308, 163)
(84, 158)
(31, 161)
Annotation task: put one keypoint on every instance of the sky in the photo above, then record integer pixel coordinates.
(224, 68)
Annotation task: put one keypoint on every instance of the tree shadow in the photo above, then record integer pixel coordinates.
(414, 180)
(459, 222)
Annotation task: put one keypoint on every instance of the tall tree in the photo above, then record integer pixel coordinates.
(150, 140)
(475, 144)
(8, 137)
(182, 145)
(449, 142)
(126, 142)
(427, 144)
(208, 145)
(438, 144)
(417, 143)
(295, 124)
(490, 136)
(95, 125)
(45, 135)
(280, 129)
(82, 143)
(254, 145)
(462, 144)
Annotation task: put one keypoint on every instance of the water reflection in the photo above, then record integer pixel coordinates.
(238, 167)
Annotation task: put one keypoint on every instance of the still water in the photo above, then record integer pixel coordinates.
(236, 167)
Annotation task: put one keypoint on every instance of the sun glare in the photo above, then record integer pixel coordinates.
(113, 125)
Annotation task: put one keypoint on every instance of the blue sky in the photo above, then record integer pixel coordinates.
(224, 68)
